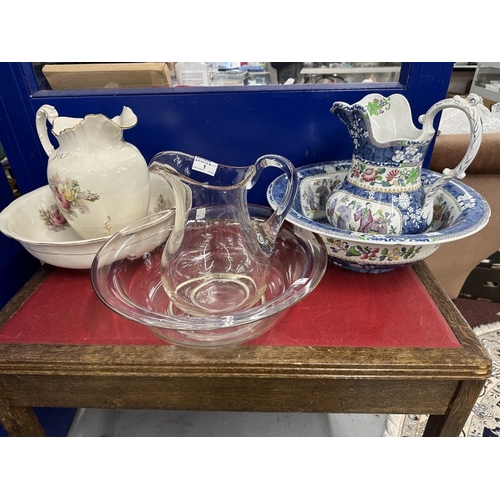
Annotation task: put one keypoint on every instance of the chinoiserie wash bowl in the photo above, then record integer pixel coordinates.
(126, 276)
(35, 220)
(458, 212)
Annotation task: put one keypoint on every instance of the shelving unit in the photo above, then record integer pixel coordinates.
(352, 74)
(486, 82)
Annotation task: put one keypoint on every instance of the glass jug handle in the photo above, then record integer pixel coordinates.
(44, 114)
(268, 230)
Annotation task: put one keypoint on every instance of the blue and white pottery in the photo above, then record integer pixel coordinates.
(383, 191)
(458, 211)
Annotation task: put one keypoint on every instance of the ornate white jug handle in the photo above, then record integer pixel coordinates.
(44, 114)
(469, 107)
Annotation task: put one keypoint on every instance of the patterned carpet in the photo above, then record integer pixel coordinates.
(484, 420)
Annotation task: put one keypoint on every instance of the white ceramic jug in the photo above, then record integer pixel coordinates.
(99, 181)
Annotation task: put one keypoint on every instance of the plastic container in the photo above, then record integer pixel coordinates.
(191, 74)
(228, 78)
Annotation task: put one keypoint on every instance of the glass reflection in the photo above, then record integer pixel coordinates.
(74, 76)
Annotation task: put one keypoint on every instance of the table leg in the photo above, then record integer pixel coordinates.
(452, 423)
(19, 421)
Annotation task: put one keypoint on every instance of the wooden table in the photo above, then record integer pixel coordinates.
(359, 343)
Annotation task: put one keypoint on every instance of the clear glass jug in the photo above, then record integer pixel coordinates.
(217, 258)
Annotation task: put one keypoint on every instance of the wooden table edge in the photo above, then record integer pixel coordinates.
(471, 361)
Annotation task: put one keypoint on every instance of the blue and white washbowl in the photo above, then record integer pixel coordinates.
(459, 211)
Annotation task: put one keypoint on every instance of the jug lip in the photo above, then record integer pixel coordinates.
(251, 170)
(369, 97)
(406, 131)
(76, 122)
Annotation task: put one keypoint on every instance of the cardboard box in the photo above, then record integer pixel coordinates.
(107, 75)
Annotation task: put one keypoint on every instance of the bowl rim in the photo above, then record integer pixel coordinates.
(11, 210)
(159, 320)
(430, 238)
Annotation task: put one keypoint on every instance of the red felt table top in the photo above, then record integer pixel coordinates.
(347, 309)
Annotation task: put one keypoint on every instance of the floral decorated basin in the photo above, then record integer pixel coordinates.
(458, 212)
(35, 220)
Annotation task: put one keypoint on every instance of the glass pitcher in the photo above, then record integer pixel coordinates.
(217, 258)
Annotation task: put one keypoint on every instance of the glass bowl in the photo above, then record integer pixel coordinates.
(126, 276)
(459, 211)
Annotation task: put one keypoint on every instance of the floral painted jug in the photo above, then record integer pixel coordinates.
(383, 192)
(100, 182)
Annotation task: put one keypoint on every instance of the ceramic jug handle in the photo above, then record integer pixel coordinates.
(469, 107)
(44, 114)
(270, 228)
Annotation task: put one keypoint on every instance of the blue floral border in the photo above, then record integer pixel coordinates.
(475, 211)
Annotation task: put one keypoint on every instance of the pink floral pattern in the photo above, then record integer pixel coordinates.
(372, 254)
(53, 218)
(382, 178)
(369, 175)
(392, 174)
(70, 197)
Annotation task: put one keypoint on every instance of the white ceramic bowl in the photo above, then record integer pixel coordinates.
(126, 276)
(35, 221)
(459, 212)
